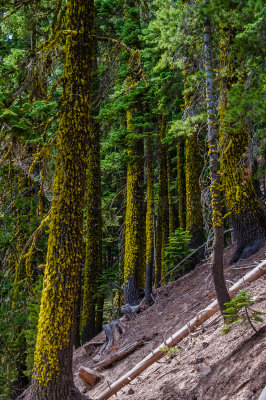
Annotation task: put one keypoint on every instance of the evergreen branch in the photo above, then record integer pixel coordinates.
(116, 41)
(115, 285)
(129, 88)
(185, 259)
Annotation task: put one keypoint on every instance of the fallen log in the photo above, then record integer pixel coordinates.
(158, 353)
(88, 376)
(118, 355)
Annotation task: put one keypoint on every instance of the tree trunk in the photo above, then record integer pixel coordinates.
(194, 217)
(217, 217)
(170, 197)
(93, 261)
(246, 214)
(163, 210)
(149, 223)
(181, 183)
(134, 208)
(134, 260)
(53, 377)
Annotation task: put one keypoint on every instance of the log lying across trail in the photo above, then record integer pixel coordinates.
(180, 335)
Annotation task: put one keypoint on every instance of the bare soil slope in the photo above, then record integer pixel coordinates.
(208, 365)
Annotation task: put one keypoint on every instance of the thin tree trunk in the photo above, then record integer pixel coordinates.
(194, 217)
(93, 260)
(217, 218)
(134, 260)
(149, 222)
(162, 208)
(181, 183)
(170, 198)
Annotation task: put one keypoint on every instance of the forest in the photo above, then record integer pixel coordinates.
(132, 148)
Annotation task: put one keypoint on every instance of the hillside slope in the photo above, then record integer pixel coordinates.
(208, 365)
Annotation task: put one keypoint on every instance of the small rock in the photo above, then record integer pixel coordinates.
(131, 391)
(205, 344)
(199, 360)
(204, 372)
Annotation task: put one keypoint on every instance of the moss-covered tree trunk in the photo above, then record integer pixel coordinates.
(194, 217)
(134, 259)
(93, 260)
(181, 183)
(162, 228)
(134, 208)
(149, 222)
(52, 377)
(245, 212)
(170, 197)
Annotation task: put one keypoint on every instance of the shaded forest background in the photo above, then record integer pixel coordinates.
(129, 101)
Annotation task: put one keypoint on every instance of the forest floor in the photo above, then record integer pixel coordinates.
(209, 365)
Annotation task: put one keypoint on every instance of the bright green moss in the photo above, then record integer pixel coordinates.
(53, 354)
(181, 185)
(93, 260)
(194, 218)
(162, 231)
(150, 206)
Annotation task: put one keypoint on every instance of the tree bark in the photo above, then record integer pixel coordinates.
(93, 260)
(134, 260)
(217, 217)
(181, 183)
(149, 223)
(246, 213)
(162, 229)
(52, 376)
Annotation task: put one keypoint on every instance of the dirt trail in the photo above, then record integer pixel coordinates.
(208, 365)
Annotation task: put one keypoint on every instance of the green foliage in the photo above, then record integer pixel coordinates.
(236, 311)
(170, 352)
(176, 250)
(13, 319)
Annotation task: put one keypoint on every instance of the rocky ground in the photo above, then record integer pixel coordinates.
(207, 365)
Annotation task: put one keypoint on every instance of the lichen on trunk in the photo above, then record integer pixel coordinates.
(181, 183)
(243, 207)
(93, 258)
(149, 222)
(134, 209)
(162, 228)
(52, 377)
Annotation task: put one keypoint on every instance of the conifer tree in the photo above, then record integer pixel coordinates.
(243, 207)
(162, 226)
(93, 258)
(217, 217)
(134, 267)
(181, 183)
(52, 377)
(91, 322)
(149, 222)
